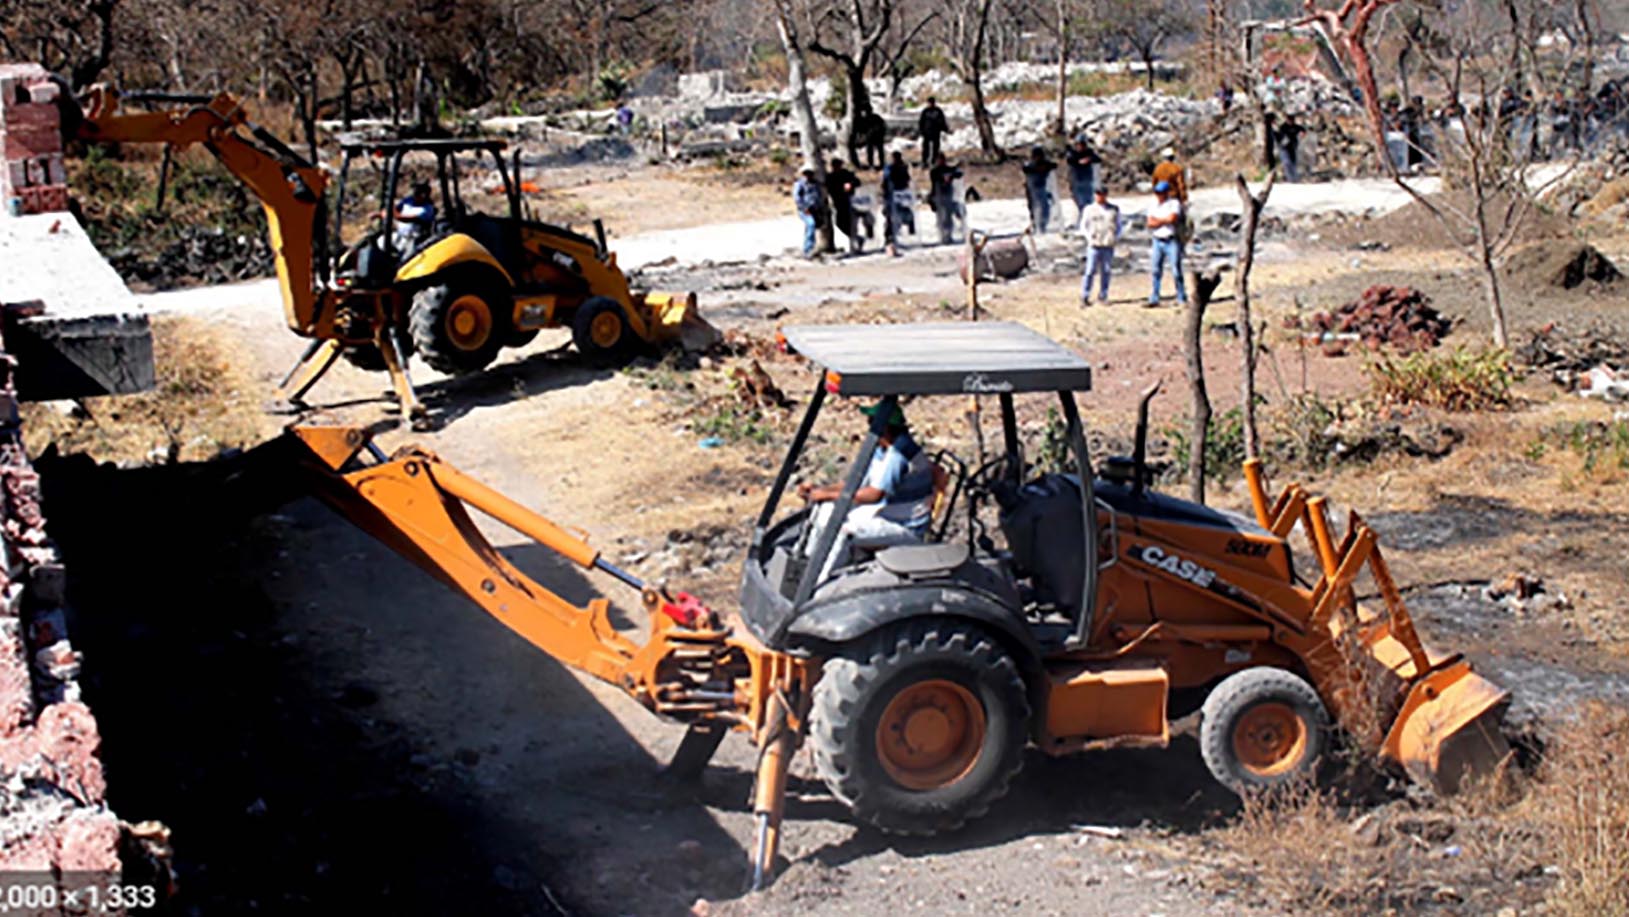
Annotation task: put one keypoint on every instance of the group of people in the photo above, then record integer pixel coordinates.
(841, 199)
(850, 209)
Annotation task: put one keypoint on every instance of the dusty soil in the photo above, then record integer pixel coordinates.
(322, 725)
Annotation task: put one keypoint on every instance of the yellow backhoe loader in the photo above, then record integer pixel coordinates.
(1065, 611)
(458, 290)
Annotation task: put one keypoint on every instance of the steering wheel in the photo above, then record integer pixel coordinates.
(984, 477)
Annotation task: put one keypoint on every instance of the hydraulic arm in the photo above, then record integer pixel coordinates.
(692, 668)
(289, 188)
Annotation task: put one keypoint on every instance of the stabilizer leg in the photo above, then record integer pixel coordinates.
(769, 795)
(312, 365)
(695, 750)
(413, 410)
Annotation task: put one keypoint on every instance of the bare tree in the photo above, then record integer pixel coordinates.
(1143, 26)
(786, 21)
(72, 37)
(1476, 52)
(967, 32)
(863, 26)
(1252, 205)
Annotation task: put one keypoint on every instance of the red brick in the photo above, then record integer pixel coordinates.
(29, 853)
(89, 842)
(69, 740)
(16, 689)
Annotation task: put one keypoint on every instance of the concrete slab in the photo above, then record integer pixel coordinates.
(73, 326)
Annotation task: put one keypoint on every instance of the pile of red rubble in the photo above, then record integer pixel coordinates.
(1400, 318)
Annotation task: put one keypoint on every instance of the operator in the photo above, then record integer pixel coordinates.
(415, 217)
(893, 505)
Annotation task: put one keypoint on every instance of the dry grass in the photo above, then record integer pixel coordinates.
(1557, 839)
(1456, 380)
(1584, 794)
(202, 402)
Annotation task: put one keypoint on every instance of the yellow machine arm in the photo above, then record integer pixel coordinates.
(289, 188)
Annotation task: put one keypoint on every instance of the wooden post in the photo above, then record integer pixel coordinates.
(1193, 343)
(975, 247)
(1247, 331)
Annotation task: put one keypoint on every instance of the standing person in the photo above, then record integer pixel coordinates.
(947, 206)
(873, 133)
(1037, 170)
(896, 183)
(931, 124)
(1101, 225)
(1165, 223)
(1082, 161)
(1171, 172)
(806, 194)
(840, 187)
(624, 118)
(1289, 148)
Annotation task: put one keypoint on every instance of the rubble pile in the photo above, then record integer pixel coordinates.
(1570, 357)
(1563, 263)
(1384, 316)
(58, 828)
(202, 255)
(1123, 127)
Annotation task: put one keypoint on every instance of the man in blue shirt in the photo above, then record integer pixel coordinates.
(893, 505)
(415, 217)
(806, 195)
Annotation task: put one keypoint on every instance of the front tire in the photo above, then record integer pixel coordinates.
(601, 332)
(920, 728)
(1261, 729)
(459, 326)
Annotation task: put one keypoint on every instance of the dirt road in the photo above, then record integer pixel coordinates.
(323, 724)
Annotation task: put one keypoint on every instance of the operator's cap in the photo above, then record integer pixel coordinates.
(1169, 152)
(1162, 187)
(897, 418)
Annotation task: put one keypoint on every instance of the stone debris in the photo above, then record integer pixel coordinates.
(1400, 318)
(1522, 593)
(1572, 358)
(999, 259)
(1605, 383)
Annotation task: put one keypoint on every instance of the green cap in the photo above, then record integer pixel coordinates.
(896, 419)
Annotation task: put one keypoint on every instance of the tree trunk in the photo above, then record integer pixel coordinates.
(1063, 66)
(1252, 207)
(981, 117)
(859, 99)
(1199, 430)
(1148, 62)
(803, 113)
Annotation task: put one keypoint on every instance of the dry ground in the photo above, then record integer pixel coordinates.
(375, 737)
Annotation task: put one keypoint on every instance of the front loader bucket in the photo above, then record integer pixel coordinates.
(1448, 730)
(674, 319)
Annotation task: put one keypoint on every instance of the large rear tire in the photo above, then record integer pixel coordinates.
(1261, 729)
(601, 332)
(920, 728)
(460, 326)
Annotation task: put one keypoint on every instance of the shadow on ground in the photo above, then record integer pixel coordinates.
(327, 730)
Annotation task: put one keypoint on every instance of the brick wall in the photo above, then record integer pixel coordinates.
(52, 792)
(31, 140)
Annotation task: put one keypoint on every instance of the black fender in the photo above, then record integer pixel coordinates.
(852, 616)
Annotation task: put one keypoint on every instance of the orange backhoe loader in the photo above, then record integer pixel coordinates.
(457, 291)
(1065, 610)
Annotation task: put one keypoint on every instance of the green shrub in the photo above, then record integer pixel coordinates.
(1224, 447)
(1458, 380)
(1602, 444)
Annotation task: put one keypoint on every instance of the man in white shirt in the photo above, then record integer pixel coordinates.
(1165, 222)
(1100, 224)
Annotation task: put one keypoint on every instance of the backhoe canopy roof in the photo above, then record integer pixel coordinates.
(435, 145)
(939, 358)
